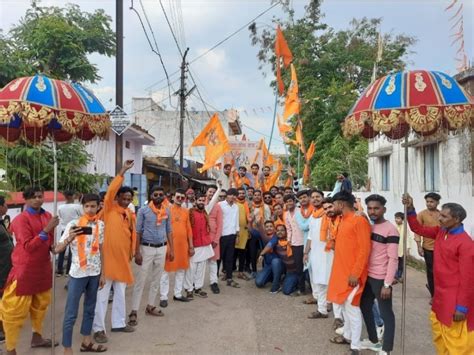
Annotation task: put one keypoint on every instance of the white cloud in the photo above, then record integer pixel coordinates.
(214, 60)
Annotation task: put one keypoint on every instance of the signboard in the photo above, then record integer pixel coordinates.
(243, 153)
(120, 120)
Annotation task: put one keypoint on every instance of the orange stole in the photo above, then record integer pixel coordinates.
(82, 239)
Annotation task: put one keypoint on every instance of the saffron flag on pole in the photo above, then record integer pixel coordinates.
(299, 136)
(213, 138)
(310, 151)
(282, 51)
(292, 102)
(267, 157)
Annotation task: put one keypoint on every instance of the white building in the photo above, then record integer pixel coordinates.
(164, 126)
(443, 164)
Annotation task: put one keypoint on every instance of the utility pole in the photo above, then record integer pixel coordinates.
(118, 78)
(182, 110)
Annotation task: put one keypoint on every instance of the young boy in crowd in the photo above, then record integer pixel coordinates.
(84, 236)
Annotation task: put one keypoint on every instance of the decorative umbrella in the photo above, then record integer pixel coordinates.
(35, 108)
(420, 101)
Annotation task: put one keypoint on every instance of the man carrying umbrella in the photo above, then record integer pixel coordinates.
(28, 288)
(452, 315)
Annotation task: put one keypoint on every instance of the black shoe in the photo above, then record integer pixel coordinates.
(215, 288)
(180, 299)
(163, 303)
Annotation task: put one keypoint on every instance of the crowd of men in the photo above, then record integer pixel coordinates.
(244, 228)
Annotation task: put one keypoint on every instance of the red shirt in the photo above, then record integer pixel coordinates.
(201, 236)
(453, 270)
(31, 258)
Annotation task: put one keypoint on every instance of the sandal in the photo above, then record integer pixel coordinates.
(242, 276)
(338, 323)
(200, 293)
(132, 319)
(310, 301)
(339, 339)
(152, 311)
(233, 284)
(91, 349)
(317, 315)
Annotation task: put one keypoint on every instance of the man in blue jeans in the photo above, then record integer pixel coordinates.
(282, 259)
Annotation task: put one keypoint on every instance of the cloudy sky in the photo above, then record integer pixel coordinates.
(228, 77)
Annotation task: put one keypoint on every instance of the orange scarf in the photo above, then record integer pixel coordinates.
(246, 207)
(318, 213)
(286, 244)
(82, 239)
(306, 213)
(160, 213)
(329, 227)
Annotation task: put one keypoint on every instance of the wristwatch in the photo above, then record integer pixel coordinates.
(386, 285)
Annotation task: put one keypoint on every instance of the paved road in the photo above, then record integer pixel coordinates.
(246, 320)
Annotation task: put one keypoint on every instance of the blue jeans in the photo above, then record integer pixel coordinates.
(78, 286)
(290, 282)
(269, 272)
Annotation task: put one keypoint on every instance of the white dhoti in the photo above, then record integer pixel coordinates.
(194, 278)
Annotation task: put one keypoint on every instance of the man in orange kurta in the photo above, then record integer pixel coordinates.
(118, 250)
(183, 249)
(269, 179)
(350, 267)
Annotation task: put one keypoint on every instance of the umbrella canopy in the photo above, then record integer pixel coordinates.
(425, 101)
(36, 107)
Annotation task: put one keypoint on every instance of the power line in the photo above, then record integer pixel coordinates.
(218, 43)
(156, 49)
(171, 28)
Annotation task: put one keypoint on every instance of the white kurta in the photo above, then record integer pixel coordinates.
(320, 261)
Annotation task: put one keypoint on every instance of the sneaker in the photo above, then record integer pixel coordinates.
(100, 337)
(380, 331)
(368, 345)
(340, 330)
(274, 292)
(180, 299)
(215, 288)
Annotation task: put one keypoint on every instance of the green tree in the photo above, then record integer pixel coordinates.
(56, 41)
(334, 67)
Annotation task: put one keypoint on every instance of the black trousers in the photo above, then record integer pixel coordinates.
(253, 246)
(429, 256)
(298, 252)
(241, 255)
(371, 292)
(227, 245)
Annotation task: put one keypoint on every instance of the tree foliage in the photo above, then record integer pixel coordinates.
(334, 67)
(56, 41)
(33, 165)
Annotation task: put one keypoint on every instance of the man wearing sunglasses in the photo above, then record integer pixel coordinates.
(153, 234)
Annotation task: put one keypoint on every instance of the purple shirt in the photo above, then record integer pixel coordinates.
(383, 261)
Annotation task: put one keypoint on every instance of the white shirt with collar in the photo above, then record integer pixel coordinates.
(230, 218)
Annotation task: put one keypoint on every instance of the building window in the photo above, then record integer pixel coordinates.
(385, 163)
(431, 167)
(127, 144)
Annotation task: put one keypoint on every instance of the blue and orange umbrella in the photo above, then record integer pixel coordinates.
(423, 101)
(420, 102)
(37, 107)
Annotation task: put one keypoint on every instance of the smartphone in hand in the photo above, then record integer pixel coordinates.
(84, 230)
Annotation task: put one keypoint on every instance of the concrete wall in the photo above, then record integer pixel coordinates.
(455, 174)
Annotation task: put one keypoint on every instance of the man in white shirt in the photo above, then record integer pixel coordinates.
(230, 234)
(66, 213)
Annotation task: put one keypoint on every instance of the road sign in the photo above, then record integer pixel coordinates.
(120, 120)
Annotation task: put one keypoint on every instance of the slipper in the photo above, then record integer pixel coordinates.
(132, 319)
(91, 349)
(317, 315)
(339, 339)
(151, 311)
(310, 301)
(243, 277)
(45, 344)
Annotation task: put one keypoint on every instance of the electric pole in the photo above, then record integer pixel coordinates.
(182, 110)
(118, 78)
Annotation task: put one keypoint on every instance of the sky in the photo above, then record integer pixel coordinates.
(228, 77)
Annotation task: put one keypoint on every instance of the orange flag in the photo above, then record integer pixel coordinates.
(292, 102)
(267, 157)
(214, 139)
(299, 136)
(310, 151)
(283, 127)
(281, 51)
(306, 173)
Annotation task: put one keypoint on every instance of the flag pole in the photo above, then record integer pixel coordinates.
(405, 232)
(55, 213)
(274, 116)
